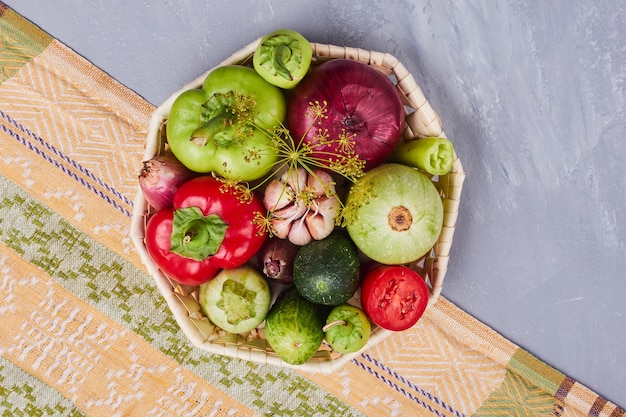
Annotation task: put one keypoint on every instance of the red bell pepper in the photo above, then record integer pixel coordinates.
(209, 228)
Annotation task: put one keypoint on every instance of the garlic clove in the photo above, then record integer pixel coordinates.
(316, 225)
(277, 195)
(320, 183)
(321, 223)
(281, 228)
(297, 179)
(299, 233)
(291, 212)
(329, 206)
(283, 218)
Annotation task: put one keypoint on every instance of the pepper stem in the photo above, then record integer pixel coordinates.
(218, 129)
(228, 120)
(196, 236)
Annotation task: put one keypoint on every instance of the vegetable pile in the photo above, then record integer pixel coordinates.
(294, 182)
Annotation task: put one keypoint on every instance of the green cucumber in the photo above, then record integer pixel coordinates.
(327, 271)
(293, 328)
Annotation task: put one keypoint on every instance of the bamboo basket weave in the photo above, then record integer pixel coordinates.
(421, 121)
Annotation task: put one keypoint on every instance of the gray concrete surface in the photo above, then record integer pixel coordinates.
(532, 94)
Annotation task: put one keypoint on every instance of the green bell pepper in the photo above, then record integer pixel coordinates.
(432, 155)
(221, 127)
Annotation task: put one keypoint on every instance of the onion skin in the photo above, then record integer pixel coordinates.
(360, 102)
(160, 178)
(277, 257)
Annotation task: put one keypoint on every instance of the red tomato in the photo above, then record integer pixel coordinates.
(394, 296)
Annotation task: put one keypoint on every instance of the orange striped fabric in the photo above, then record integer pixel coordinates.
(84, 331)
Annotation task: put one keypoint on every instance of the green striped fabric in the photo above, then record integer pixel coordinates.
(21, 41)
(109, 283)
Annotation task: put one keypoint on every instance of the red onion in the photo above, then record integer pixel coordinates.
(359, 103)
(277, 257)
(160, 178)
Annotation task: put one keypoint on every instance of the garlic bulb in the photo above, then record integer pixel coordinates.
(304, 205)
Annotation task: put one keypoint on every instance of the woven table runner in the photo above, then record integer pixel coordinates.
(84, 331)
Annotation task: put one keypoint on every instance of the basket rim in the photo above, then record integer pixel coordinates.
(421, 122)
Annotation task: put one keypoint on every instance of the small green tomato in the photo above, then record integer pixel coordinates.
(237, 300)
(347, 328)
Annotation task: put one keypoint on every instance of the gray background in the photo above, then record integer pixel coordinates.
(532, 94)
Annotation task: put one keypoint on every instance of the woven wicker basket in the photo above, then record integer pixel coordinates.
(421, 121)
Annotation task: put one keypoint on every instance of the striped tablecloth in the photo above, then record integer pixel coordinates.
(84, 331)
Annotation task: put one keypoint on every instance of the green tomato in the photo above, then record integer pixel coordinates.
(347, 328)
(236, 300)
(222, 127)
(283, 58)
